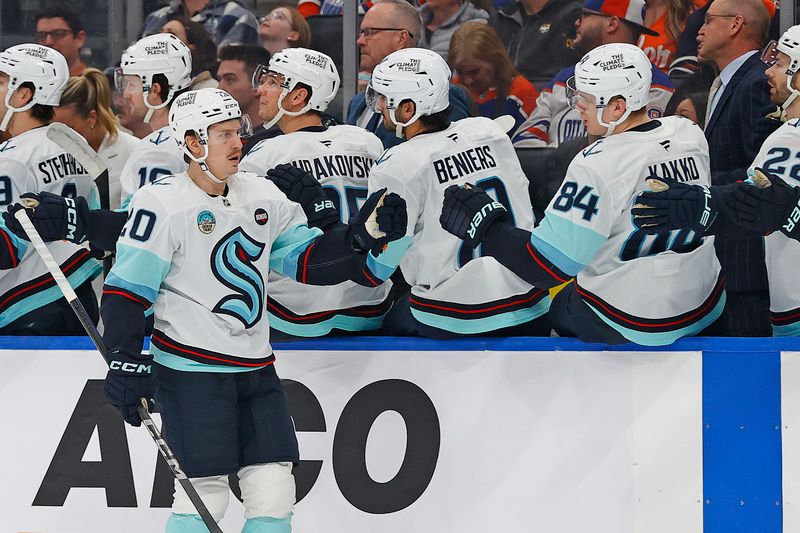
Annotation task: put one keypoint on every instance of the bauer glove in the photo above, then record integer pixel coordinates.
(467, 213)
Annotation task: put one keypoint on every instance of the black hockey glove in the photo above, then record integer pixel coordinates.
(671, 205)
(467, 212)
(55, 218)
(770, 119)
(129, 378)
(382, 219)
(769, 204)
(301, 187)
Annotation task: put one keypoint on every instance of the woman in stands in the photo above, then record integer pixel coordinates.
(668, 18)
(482, 65)
(284, 27)
(204, 51)
(86, 108)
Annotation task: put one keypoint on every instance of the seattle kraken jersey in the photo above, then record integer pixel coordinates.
(340, 157)
(155, 156)
(30, 162)
(780, 154)
(653, 289)
(202, 261)
(453, 287)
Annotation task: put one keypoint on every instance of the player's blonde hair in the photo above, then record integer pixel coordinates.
(91, 92)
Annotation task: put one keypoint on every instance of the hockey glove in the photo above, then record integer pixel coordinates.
(770, 119)
(767, 204)
(382, 219)
(671, 205)
(301, 187)
(467, 212)
(128, 379)
(55, 218)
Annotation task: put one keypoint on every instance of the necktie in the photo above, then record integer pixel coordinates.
(712, 95)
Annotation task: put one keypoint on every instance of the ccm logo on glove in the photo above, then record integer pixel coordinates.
(135, 368)
(72, 218)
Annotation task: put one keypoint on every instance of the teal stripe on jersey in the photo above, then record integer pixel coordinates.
(89, 270)
(138, 271)
(21, 245)
(788, 330)
(288, 247)
(663, 338)
(567, 245)
(386, 263)
(319, 329)
(176, 362)
(124, 206)
(94, 199)
(482, 325)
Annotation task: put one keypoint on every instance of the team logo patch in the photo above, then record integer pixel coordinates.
(261, 216)
(544, 28)
(206, 222)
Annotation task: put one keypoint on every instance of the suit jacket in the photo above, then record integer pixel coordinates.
(733, 145)
(460, 107)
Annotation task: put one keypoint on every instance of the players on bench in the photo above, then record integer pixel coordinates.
(32, 78)
(197, 247)
(629, 285)
(294, 90)
(768, 202)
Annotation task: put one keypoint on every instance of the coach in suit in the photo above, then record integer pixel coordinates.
(730, 39)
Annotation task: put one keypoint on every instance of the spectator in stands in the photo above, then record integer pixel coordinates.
(685, 61)
(733, 33)
(237, 63)
(328, 7)
(691, 97)
(61, 29)
(441, 18)
(86, 107)
(284, 27)
(538, 35)
(204, 51)
(227, 21)
(553, 122)
(482, 65)
(667, 18)
(392, 25)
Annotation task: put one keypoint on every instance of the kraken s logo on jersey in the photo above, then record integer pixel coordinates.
(232, 264)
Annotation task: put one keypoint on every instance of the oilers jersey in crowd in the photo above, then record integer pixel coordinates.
(201, 261)
(31, 162)
(779, 155)
(155, 156)
(340, 157)
(553, 122)
(652, 289)
(453, 287)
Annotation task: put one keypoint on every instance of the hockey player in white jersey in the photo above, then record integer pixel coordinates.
(294, 90)
(32, 78)
(629, 286)
(152, 73)
(197, 247)
(768, 202)
(455, 290)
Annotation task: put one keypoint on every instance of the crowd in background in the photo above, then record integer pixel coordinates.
(508, 57)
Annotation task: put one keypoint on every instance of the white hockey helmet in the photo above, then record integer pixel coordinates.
(197, 111)
(301, 65)
(788, 44)
(162, 53)
(415, 74)
(44, 67)
(610, 70)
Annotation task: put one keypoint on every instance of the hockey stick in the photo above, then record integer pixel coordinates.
(86, 322)
(74, 143)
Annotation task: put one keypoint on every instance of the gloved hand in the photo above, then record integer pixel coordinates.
(128, 379)
(55, 218)
(768, 204)
(301, 187)
(382, 219)
(770, 119)
(671, 205)
(467, 212)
